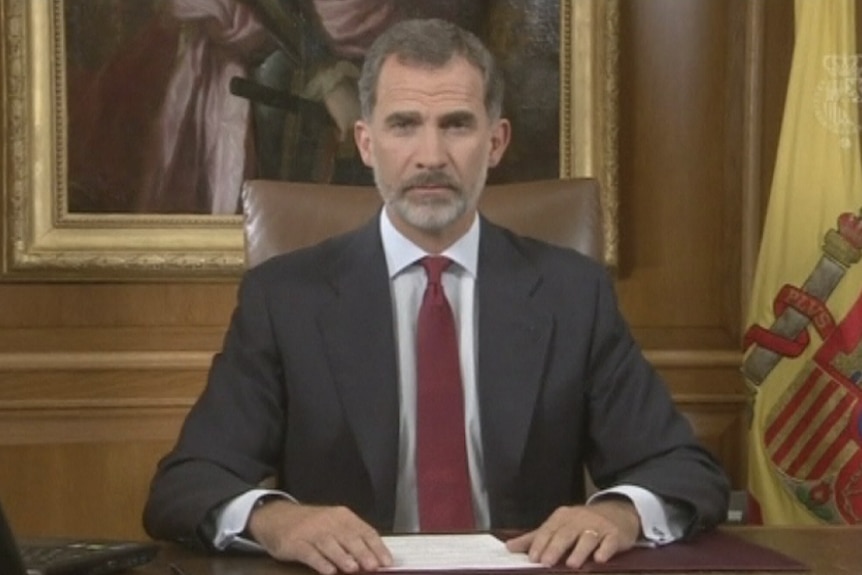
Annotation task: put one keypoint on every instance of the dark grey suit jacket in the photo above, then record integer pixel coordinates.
(306, 390)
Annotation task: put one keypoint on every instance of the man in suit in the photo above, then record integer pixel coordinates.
(322, 380)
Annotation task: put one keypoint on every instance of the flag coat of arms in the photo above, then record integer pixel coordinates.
(803, 344)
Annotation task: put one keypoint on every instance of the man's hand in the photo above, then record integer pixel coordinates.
(600, 530)
(327, 539)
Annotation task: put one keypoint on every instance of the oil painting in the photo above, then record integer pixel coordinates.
(136, 121)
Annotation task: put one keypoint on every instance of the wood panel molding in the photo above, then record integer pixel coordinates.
(752, 160)
(196, 360)
(99, 360)
(702, 358)
(90, 422)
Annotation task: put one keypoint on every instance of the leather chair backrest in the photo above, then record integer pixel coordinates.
(283, 216)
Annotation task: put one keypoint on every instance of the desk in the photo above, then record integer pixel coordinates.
(826, 550)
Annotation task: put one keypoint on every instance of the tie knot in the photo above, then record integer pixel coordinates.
(434, 267)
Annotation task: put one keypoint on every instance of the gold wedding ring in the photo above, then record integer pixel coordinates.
(591, 532)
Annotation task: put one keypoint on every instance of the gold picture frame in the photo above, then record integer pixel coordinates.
(42, 240)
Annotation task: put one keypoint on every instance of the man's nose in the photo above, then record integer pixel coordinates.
(431, 152)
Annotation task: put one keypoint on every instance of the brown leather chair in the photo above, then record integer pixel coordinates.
(282, 216)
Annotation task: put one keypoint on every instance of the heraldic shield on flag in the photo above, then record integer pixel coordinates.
(803, 343)
(813, 432)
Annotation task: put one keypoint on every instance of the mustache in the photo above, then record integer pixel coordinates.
(431, 178)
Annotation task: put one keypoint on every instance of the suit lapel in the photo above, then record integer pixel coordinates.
(358, 331)
(514, 335)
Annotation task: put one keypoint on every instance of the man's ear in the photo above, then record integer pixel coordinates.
(362, 136)
(501, 134)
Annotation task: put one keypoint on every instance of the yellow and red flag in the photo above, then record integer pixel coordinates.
(803, 360)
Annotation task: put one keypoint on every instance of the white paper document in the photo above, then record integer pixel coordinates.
(453, 552)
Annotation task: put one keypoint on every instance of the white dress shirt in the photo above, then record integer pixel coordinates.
(661, 523)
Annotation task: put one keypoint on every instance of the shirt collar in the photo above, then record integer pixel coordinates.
(401, 253)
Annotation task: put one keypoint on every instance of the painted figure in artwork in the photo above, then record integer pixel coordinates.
(181, 100)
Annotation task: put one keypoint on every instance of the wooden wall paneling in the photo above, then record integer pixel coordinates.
(95, 380)
(752, 167)
(110, 305)
(93, 488)
(734, 118)
(79, 445)
(674, 110)
(682, 102)
(103, 345)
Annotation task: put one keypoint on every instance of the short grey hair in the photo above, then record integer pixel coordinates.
(429, 43)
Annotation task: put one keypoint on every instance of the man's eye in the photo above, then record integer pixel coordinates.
(401, 125)
(458, 125)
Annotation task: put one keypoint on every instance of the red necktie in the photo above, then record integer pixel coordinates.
(443, 479)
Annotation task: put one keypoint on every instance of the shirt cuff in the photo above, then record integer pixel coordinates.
(232, 519)
(661, 522)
